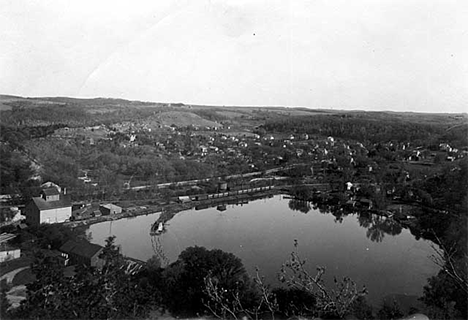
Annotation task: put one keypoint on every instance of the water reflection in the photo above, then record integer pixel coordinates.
(381, 226)
(261, 233)
(299, 205)
(377, 226)
(159, 250)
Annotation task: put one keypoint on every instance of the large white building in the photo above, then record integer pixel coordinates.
(51, 206)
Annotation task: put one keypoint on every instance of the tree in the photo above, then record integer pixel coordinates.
(295, 302)
(229, 303)
(49, 296)
(112, 292)
(4, 303)
(390, 311)
(185, 278)
(153, 263)
(330, 302)
(447, 292)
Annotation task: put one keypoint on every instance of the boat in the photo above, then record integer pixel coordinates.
(160, 228)
(157, 231)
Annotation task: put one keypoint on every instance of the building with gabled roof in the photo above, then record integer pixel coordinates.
(83, 252)
(52, 206)
(51, 185)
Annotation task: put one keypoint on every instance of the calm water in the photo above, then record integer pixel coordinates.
(372, 251)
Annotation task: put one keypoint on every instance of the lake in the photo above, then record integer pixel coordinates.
(371, 250)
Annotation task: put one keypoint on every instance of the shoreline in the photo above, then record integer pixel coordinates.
(172, 207)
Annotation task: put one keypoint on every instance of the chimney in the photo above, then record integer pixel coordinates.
(64, 191)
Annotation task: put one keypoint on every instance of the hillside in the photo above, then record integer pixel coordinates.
(183, 119)
(43, 111)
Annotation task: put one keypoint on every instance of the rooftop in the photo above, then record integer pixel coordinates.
(50, 191)
(63, 202)
(4, 237)
(81, 248)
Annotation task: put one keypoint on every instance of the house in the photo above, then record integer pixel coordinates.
(52, 206)
(109, 209)
(81, 213)
(61, 257)
(83, 252)
(8, 251)
(445, 147)
(222, 186)
(203, 149)
(184, 199)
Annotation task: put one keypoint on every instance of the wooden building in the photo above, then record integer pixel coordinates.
(51, 206)
(8, 251)
(83, 252)
(109, 209)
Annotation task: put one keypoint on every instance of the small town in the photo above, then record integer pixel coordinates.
(253, 160)
(163, 166)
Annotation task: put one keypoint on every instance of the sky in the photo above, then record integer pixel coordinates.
(400, 55)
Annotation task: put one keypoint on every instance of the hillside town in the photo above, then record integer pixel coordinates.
(70, 177)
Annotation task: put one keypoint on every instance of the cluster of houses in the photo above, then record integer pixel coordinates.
(260, 150)
(257, 150)
(54, 205)
(72, 252)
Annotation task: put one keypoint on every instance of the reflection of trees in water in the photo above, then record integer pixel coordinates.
(377, 226)
(158, 250)
(375, 233)
(299, 205)
(364, 220)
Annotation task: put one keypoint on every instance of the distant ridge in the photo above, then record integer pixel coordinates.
(96, 101)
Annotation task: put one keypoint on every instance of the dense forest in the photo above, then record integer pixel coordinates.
(368, 127)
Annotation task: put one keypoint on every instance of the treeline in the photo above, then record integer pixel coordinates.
(80, 113)
(368, 129)
(15, 173)
(447, 292)
(45, 115)
(16, 136)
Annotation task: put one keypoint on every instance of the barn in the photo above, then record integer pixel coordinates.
(51, 206)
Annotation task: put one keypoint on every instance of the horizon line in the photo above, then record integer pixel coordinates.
(225, 105)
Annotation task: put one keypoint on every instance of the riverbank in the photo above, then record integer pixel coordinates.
(170, 211)
(171, 207)
(261, 233)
